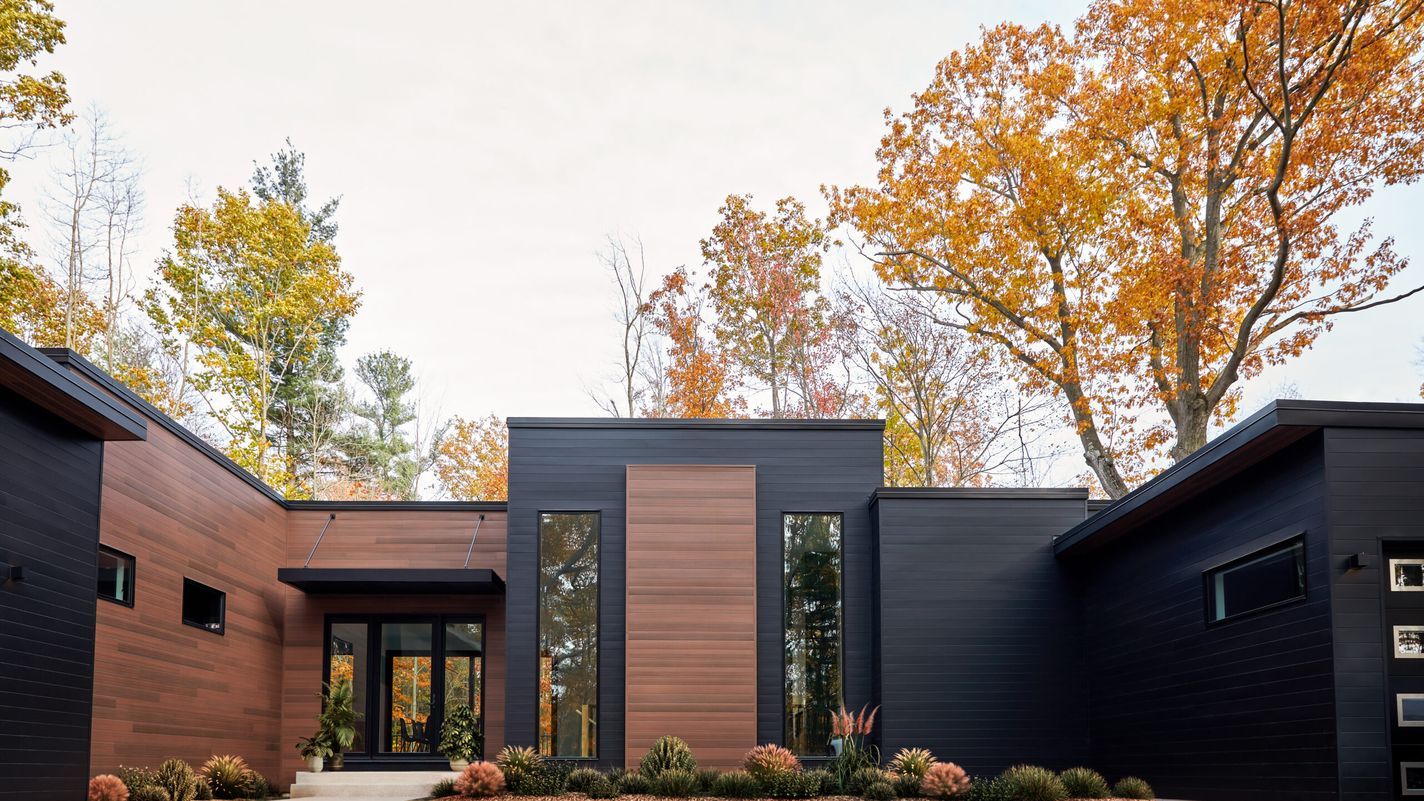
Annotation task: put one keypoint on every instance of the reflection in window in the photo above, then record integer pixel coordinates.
(568, 634)
(811, 551)
(464, 666)
(1406, 575)
(1409, 709)
(346, 664)
(406, 676)
(116, 576)
(203, 606)
(1409, 642)
(1273, 576)
(1411, 778)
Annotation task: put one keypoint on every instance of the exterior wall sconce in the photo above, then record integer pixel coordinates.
(9, 572)
(1359, 561)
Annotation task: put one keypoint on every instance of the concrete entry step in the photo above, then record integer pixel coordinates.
(368, 785)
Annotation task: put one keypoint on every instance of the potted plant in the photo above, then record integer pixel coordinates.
(338, 721)
(459, 737)
(314, 749)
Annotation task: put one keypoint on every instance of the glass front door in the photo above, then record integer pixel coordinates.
(399, 656)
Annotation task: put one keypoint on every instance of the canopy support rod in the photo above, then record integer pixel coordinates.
(312, 552)
(471, 552)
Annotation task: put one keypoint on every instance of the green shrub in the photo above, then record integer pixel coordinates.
(633, 783)
(581, 778)
(1032, 783)
(791, 784)
(912, 762)
(259, 787)
(518, 759)
(1084, 783)
(667, 753)
(602, 787)
(1133, 787)
(134, 778)
(542, 779)
(864, 777)
(987, 790)
(705, 779)
(460, 738)
(204, 790)
(830, 785)
(148, 792)
(907, 787)
(177, 777)
(229, 776)
(736, 784)
(879, 791)
(444, 789)
(674, 783)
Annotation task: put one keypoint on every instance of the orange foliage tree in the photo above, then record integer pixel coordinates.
(472, 459)
(697, 375)
(1145, 212)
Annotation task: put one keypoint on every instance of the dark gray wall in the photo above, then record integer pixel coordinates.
(49, 524)
(799, 468)
(1376, 496)
(1241, 710)
(979, 628)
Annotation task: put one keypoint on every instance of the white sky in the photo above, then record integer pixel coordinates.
(483, 151)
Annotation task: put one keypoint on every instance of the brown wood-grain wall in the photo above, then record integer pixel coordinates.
(691, 610)
(396, 538)
(161, 688)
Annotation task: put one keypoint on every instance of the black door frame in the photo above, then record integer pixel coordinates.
(372, 756)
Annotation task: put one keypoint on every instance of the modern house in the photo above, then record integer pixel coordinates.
(1249, 624)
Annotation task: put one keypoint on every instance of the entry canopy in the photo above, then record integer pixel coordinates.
(392, 581)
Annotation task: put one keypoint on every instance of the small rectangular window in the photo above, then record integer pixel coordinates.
(1259, 581)
(1406, 575)
(1411, 778)
(1409, 642)
(203, 606)
(1409, 709)
(116, 576)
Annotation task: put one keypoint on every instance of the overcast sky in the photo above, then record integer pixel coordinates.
(483, 151)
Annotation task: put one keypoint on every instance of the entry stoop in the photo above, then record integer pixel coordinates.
(368, 785)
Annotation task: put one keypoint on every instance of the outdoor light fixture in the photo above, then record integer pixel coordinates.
(1359, 561)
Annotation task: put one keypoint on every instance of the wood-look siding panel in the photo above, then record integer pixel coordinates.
(49, 525)
(691, 610)
(302, 667)
(164, 689)
(397, 539)
(1237, 711)
(1375, 496)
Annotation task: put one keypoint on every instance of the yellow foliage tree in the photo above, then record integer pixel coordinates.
(1147, 211)
(472, 460)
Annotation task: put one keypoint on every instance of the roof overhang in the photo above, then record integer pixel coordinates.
(1249, 442)
(392, 581)
(38, 379)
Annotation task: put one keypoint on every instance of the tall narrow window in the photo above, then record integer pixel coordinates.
(811, 552)
(568, 634)
(116, 576)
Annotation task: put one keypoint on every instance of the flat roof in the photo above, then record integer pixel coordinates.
(696, 422)
(1266, 432)
(981, 493)
(27, 372)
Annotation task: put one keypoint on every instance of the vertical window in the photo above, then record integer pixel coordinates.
(811, 553)
(116, 576)
(204, 606)
(346, 664)
(407, 682)
(1262, 580)
(568, 634)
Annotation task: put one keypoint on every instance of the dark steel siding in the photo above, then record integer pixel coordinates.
(49, 523)
(1376, 493)
(583, 469)
(1240, 710)
(978, 631)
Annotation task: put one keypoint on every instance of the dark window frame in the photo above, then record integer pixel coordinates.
(598, 623)
(1296, 540)
(129, 581)
(781, 568)
(221, 629)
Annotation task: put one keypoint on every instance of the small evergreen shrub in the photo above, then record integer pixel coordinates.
(990, 789)
(514, 760)
(944, 780)
(912, 762)
(791, 784)
(765, 760)
(674, 783)
(667, 753)
(228, 776)
(880, 790)
(581, 778)
(830, 785)
(1032, 783)
(1133, 787)
(864, 777)
(1084, 783)
(736, 784)
(149, 792)
(705, 779)
(907, 787)
(601, 787)
(445, 788)
(258, 786)
(177, 777)
(204, 791)
(480, 780)
(134, 778)
(633, 783)
(107, 787)
(543, 779)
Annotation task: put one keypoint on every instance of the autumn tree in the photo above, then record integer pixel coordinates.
(1148, 211)
(764, 290)
(695, 379)
(472, 460)
(252, 291)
